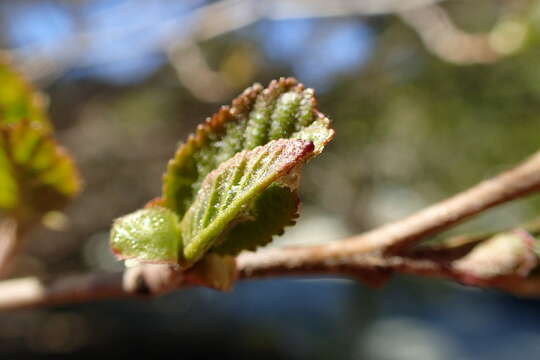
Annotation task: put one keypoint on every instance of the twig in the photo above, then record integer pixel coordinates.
(466, 269)
(398, 236)
(458, 246)
(510, 185)
(29, 292)
(151, 280)
(366, 257)
(26, 292)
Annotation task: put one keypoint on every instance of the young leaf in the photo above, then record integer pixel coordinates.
(151, 235)
(225, 195)
(36, 174)
(503, 254)
(275, 208)
(234, 182)
(283, 110)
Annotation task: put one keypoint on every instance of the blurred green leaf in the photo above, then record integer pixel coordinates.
(151, 235)
(228, 196)
(271, 211)
(18, 100)
(36, 174)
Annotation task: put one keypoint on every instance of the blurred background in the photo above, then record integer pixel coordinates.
(427, 97)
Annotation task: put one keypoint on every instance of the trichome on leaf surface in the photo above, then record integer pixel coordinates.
(232, 185)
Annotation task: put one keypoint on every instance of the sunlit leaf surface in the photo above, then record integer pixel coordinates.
(151, 235)
(226, 193)
(283, 110)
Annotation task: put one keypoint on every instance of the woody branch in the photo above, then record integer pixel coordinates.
(502, 262)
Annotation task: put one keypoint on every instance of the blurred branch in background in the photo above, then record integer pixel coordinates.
(502, 261)
(444, 39)
(196, 75)
(221, 17)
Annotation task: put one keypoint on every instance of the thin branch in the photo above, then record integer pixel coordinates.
(196, 74)
(30, 292)
(517, 261)
(441, 36)
(212, 20)
(365, 257)
(27, 292)
(520, 181)
(400, 235)
(152, 280)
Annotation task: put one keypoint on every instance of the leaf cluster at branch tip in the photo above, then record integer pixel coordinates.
(233, 184)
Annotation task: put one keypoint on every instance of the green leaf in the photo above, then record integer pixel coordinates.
(36, 174)
(18, 100)
(234, 182)
(150, 235)
(283, 110)
(272, 210)
(226, 194)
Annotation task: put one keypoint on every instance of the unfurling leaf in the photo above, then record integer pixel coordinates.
(283, 110)
(225, 195)
(36, 174)
(233, 184)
